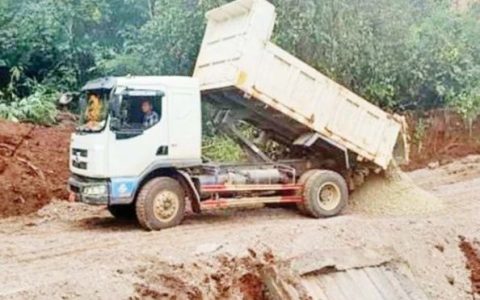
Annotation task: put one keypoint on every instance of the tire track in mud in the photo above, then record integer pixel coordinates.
(191, 235)
(50, 253)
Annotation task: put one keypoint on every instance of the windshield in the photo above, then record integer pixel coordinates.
(94, 110)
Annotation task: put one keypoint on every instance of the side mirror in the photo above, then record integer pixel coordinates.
(115, 105)
(83, 101)
(115, 124)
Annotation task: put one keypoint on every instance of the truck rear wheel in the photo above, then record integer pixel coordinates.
(122, 212)
(303, 179)
(325, 194)
(160, 204)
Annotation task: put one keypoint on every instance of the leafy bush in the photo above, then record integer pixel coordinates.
(37, 108)
(467, 104)
(221, 148)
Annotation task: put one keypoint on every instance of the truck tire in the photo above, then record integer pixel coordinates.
(325, 194)
(303, 179)
(160, 204)
(122, 212)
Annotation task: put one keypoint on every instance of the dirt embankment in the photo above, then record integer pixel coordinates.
(439, 137)
(33, 166)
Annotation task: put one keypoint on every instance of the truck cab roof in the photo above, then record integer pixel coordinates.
(150, 82)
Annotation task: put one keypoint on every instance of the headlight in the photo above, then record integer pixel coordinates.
(95, 190)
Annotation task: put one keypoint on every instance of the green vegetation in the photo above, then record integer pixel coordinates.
(39, 107)
(467, 104)
(220, 148)
(399, 54)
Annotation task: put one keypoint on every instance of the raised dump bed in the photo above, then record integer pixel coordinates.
(240, 69)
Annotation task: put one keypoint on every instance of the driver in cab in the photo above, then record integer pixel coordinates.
(150, 117)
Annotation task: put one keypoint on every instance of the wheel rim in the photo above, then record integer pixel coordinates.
(165, 206)
(329, 196)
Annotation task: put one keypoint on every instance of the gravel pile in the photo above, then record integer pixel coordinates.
(393, 195)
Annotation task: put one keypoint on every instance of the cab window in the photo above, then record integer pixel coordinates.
(141, 111)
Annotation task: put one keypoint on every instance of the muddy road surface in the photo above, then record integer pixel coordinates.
(72, 251)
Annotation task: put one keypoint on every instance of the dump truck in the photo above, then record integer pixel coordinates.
(138, 147)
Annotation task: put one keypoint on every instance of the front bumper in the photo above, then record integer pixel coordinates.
(89, 191)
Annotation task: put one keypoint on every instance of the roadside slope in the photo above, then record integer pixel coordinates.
(33, 166)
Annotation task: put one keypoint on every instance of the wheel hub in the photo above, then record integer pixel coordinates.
(329, 196)
(165, 206)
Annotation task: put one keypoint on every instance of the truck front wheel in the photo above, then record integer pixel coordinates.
(325, 194)
(160, 204)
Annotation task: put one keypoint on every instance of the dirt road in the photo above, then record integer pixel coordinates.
(71, 251)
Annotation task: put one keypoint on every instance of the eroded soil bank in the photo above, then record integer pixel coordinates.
(33, 166)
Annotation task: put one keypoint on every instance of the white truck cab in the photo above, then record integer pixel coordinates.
(112, 150)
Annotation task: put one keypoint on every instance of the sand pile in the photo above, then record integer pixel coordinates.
(395, 194)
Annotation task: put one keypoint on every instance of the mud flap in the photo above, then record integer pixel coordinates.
(192, 191)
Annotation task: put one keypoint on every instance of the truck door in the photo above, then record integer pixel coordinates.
(138, 132)
(185, 121)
